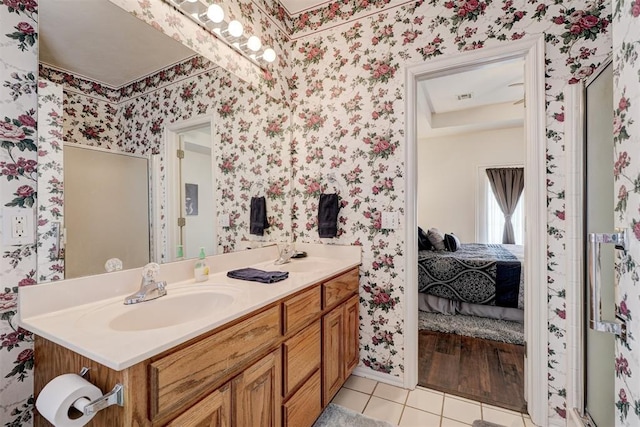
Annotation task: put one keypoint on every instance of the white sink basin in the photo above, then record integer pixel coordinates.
(175, 308)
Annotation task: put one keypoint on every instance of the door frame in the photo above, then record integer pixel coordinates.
(574, 217)
(170, 198)
(536, 314)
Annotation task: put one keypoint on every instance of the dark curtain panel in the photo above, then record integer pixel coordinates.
(507, 185)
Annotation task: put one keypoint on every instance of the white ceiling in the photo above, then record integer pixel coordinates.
(493, 102)
(100, 41)
(296, 6)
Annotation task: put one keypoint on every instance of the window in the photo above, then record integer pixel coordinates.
(495, 218)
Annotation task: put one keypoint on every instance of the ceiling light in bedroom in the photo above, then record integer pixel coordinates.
(211, 18)
(464, 96)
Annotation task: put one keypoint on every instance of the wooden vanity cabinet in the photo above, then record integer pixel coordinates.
(257, 394)
(340, 351)
(213, 411)
(277, 366)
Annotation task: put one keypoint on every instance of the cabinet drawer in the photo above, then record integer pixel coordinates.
(339, 288)
(301, 309)
(301, 356)
(178, 379)
(305, 406)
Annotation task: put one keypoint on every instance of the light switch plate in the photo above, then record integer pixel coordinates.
(17, 226)
(389, 220)
(223, 220)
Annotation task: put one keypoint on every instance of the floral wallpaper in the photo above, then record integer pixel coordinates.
(344, 78)
(347, 86)
(250, 145)
(626, 33)
(18, 166)
(50, 211)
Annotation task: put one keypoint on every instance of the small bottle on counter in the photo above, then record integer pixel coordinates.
(201, 269)
(179, 253)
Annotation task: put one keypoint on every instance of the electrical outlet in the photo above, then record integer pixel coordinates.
(223, 220)
(17, 226)
(389, 220)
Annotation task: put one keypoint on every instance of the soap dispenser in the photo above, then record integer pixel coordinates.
(201, 269)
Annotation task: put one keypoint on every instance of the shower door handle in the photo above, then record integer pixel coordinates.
(620, 240)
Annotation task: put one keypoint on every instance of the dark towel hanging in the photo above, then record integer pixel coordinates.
(258, 216)
(328, 215)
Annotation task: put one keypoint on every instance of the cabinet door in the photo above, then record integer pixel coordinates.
(332, 353)
(212, 411)
(351, 335)
(257, 393)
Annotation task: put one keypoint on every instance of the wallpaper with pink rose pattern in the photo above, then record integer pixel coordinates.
(18, 188)
(345, 82)
(626, 25)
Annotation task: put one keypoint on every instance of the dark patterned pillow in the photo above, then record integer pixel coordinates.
(436, 238)
(423, 241)
(451, 242)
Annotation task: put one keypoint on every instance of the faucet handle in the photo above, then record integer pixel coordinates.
(150, 271)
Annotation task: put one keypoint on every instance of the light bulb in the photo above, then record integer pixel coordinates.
(269, 55)
(215, 13)
(254, 44)
(235, 28)
(193, 1)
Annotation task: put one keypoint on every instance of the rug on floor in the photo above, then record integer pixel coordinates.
(480, 423)
(472, 326)
(339, 416)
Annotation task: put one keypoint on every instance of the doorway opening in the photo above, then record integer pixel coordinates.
(535, 315)
(191, 216)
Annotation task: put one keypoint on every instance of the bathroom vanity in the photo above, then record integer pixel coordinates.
(272, 355)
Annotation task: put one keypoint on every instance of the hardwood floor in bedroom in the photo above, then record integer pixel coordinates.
(487, 371)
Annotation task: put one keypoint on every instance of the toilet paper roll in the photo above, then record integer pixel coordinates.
(56, 400)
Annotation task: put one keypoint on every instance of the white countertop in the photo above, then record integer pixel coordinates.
(68, 312)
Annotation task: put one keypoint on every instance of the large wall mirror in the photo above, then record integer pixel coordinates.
(116, 92)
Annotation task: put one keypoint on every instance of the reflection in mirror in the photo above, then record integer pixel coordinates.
(126, 88)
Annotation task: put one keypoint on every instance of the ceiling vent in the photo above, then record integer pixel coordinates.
(464, 96)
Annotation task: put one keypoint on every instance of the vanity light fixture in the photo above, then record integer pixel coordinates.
(212, 18)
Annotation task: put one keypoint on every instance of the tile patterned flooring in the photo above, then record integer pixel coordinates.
(421, 407)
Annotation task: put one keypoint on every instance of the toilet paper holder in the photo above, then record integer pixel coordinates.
(114, 397)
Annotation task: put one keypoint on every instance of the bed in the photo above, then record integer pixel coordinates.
(485, 280)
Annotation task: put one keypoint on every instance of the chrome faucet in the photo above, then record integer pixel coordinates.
(149, 288)
(286, 252)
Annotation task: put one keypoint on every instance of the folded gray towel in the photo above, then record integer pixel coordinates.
(255, 275)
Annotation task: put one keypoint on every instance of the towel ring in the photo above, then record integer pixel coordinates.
(259, 186)
(333, 181)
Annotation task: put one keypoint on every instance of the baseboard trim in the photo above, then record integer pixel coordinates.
(378, 376)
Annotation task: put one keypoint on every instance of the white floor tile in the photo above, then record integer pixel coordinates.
(447, 422)
(465, 411)
(426, 400)
(415, 418)
(364, 385)
(351, 399)
(498, 416)
(382, 409)
(393, 393)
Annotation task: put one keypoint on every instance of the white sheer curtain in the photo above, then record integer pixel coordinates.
(495, 218)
